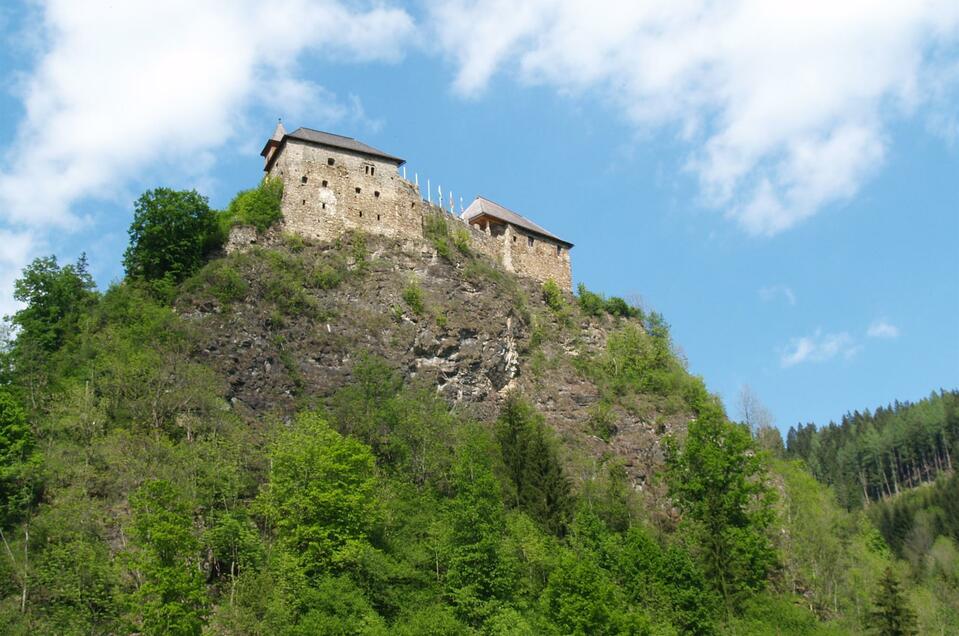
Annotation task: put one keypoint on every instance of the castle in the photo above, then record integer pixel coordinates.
(333, 184)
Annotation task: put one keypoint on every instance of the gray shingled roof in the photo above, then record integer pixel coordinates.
(339, 141)
(482, 205)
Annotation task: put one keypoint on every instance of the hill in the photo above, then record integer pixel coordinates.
(369, 436)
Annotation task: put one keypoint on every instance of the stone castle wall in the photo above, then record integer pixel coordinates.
(328, 192)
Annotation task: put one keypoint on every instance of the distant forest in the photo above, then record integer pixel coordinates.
(873, 456)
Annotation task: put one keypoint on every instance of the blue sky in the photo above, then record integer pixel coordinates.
(781, 183)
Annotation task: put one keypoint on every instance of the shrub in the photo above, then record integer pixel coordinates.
(591, 304)
(413, 296)
(553, 295)
(461, 239)
(616, 306)
(222, 280)
(259, 206)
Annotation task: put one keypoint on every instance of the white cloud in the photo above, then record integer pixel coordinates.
(772, 292)
(883, 329)
(784, 104)
(121, 85)
(819, 347)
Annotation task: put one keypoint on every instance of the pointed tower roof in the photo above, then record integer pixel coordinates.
(278, 134)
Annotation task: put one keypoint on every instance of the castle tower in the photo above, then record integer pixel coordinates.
(273, 143)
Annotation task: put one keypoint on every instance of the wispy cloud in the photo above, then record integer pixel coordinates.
(784, 106)
(772, 292)
(819, 347)
(882, 328)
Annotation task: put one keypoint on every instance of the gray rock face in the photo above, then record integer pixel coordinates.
(473, 341)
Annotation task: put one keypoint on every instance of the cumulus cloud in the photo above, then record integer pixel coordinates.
(819, 347)
(772, 292)
(883, 329)
(784, 105)
(120, 85)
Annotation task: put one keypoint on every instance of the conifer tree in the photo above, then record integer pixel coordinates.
(892, 615)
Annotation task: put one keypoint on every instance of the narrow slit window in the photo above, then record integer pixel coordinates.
(377, 217)
(559, 250)
(324, 206)
(361, 213)
(330, 161)
(304, 201)
(514, 238)
(529, 241)
(372, 170)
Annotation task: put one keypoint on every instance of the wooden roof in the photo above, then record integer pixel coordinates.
(482, 206)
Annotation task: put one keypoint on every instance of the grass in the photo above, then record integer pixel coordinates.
(413, 297)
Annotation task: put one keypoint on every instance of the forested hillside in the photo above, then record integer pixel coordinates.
(368, 437)
(873, 456)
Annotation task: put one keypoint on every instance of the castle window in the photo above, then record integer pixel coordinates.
(514, 238)
(324, 206)
(529, 241)
(361, 213)
(372, 170)
(330, 161)
(325, 183)
(303, 179)
(559, 250)
(377, 217)
(376, 193)
(357, 190)
(304, 201)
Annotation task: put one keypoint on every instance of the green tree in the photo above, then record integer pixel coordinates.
(171, 598)
(719, 482)
(892, 615)
(321, 495)
(540, 487)
(19, 462)
(480, 575)
(259, 206)
(172, 234)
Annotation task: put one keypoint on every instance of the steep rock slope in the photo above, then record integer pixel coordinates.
(286, 322)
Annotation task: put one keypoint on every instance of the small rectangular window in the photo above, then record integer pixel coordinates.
(372, 170)
(559, 250)
(357, 190)
(377, 217)
(529, 241)
(325, 183)
(376, 193)
(330, 161)
(324, 206)
(303, 179)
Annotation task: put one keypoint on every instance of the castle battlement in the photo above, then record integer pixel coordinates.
(334, 184)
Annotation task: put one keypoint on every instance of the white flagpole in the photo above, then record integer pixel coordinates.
(429, 191)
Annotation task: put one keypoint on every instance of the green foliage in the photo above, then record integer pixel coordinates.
(172, 234)
(553, 296)
(413, 296)
(259, 206)
(641, 362)
(19, 462)
(480, 574)
(321, 495)
(222, 280)
(172, 598)
(873, 456)
(591, 304)
(436, 228)
(891, 615)
(539, 485)
(55, 300)
(718, 481)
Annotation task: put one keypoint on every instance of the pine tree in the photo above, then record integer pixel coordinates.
(892, 616)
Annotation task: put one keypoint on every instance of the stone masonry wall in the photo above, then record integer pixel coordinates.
(323, 200)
